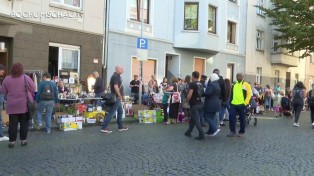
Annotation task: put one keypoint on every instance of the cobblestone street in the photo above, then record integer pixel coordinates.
(273, 147)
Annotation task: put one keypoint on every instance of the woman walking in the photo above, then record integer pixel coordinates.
(16, 87)
(184, 93)
(298, 95)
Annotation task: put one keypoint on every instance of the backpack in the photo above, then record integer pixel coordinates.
(297, 98)
(285, 103)
(47, 93)
(201, 91)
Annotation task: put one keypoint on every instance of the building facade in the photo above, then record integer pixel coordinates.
(183, 36)
(59, 36)
(265, 64)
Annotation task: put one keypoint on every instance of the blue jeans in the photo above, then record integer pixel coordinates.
(117, 107)
(98, 102)
(48, 105)
(234, 110)
(267, 102)
(212, 120)
(1, 105)
(223, 110)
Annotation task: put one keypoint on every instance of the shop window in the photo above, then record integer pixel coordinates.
(149, 69)
(64, 61)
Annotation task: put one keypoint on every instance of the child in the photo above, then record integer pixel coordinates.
(277, 99)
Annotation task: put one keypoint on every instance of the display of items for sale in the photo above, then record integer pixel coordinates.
(147, 116)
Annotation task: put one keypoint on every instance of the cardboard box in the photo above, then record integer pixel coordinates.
(71, 118)
(70, 126)
(136, 108)
(79, 119)
(94, 114)
(89, 120)
(63, 119)
(147, 116)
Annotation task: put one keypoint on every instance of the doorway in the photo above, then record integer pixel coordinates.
(230, 72)
(172, 68)
(288, 79)
(199, 65)
(53, 60)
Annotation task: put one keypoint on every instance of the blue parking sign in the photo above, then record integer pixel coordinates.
(142, 43)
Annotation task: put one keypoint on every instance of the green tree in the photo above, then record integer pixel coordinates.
(294, 20)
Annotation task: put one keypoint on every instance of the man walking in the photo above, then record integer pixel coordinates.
(240, 97)
(194, 98)
(135, 88)
(46, 98)
(2, 137)
(116, 88)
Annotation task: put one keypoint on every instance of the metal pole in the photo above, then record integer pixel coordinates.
(141, 62)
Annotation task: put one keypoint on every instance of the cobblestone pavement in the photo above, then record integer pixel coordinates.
(273, 147)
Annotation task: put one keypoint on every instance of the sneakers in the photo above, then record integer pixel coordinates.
(187, 134)
(48, 131)
(296, 124)
(38, 128)
(313, 124)
(107, 130)
(231, 134)
(214, 134)
(240, 135)
(4, 138)
(123, 129)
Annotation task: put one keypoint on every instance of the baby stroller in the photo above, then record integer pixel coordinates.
(286, 107)
(248, 116)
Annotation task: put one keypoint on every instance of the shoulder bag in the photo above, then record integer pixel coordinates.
(30, 105)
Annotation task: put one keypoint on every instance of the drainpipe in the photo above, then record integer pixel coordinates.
(105, 35)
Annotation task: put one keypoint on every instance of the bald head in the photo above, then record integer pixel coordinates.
(240, 77)
(119, 69)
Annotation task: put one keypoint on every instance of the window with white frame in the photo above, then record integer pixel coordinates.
(212, 19)
(259, 75)
(67, 59)
(275, 45)
(277, 76)
(234, 1)
(136, 10)
(191, 16)
(259, 40)
(231, 33)
(260, 3)
(77, 4)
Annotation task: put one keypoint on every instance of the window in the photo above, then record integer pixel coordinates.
(277, 77)
(259, 10)
(231, 32)
(230, 72)
(190, 16)
(212, 19)
(69, 3)
(259, 40)
(64, 58)
(259, 75)
(275, 46)
(296, 78)
(234, 1)
(136, 10)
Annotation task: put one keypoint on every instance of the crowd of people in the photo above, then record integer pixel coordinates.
(204, 103)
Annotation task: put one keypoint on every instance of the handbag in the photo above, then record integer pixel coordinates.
(30, 105)
(176, 96)
(110, 98)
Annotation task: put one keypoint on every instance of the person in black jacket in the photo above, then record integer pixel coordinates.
(222, 96)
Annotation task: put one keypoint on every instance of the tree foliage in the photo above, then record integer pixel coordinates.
(294, 22)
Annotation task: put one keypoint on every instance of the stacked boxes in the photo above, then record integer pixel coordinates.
(70, 123)
(147, 116)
